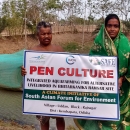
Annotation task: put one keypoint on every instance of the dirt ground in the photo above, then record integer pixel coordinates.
(10, 45)
(11, 125)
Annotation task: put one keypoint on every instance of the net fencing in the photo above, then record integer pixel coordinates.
(11, 89)
(10, 69)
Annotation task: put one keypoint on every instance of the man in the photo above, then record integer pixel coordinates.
(44, 34)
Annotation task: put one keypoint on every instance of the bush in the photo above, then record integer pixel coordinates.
(71, 47)
(74, 47)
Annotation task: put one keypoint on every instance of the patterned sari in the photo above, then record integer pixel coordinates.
(120, 46)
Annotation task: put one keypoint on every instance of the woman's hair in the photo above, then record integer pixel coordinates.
(44, 25)
(111, 16)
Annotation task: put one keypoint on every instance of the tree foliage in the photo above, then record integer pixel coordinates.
(15, 15)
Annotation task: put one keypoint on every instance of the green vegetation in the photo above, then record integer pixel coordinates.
(75, 47)
(16, 16)
(71, 47)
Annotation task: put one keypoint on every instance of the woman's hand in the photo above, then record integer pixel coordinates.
(23, 71)
(120, 80)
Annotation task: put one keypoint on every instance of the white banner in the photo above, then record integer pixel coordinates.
(72, 85)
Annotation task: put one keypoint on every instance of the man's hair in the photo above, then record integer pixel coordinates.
(44, 25)
(111, 16)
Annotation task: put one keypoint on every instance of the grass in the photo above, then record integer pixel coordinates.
(75, 47)
(12, 125)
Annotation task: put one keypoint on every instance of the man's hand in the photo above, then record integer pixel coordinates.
(120, 80)
(23, 71)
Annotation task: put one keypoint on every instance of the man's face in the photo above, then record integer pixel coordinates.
(45, 36)
(113, 28)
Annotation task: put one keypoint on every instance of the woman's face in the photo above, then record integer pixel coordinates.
(113, 28)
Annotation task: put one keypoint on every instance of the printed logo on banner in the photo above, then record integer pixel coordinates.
(102, 62)
(37, 59)
(70, 60)
(94, 61)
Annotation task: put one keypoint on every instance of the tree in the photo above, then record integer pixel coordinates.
(123, 8)
(13, 12)
(3, 23)
(100, 7)
(54, 7)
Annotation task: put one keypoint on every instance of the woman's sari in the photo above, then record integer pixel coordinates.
(120, 46)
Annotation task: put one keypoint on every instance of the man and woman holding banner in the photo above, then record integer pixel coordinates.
(110, 41)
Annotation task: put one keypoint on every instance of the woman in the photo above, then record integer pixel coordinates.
(111, 42)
